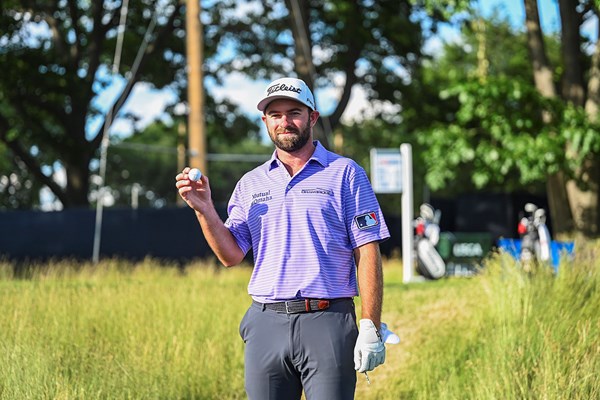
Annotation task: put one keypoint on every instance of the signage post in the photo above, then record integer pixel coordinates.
(407, 213)
(391, 172)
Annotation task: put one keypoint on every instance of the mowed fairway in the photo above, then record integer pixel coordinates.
(152, 331)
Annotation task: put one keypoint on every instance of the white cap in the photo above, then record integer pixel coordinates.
(287, 88)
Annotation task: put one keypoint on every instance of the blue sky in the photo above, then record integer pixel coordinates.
(515, 10)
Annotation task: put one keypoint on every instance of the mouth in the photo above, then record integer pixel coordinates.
(287, 133)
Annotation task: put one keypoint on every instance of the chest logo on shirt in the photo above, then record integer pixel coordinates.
(365, 221)
(261, 197)
(318, 191)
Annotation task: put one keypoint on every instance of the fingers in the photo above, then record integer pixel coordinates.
(184, 177)
(365, 361)
(185, 186)
(183, 174)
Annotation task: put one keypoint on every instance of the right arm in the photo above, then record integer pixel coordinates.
(197, 196)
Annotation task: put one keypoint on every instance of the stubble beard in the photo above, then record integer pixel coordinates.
(291, 143)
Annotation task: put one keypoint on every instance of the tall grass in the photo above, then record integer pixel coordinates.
(505, 334)
(153, 331)
(123, 332)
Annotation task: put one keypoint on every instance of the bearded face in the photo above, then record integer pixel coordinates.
(290, 137)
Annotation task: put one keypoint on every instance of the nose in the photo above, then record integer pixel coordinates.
(286, 119)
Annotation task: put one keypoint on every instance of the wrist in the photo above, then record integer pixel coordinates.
(375, 321)
(366, 323)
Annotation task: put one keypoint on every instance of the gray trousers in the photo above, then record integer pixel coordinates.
(286, 353)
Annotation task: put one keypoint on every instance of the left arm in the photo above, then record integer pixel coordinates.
(370, 281)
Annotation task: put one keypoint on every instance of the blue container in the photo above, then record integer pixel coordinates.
(557, 250)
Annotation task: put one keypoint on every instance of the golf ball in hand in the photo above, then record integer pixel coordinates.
(195, 174)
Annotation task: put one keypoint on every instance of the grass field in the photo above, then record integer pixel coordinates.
(154, 331)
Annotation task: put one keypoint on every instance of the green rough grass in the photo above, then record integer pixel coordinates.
(154, 331)
(504, 334)
(119, 331)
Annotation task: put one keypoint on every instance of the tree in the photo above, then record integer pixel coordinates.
(504, 124)
(574, 198)
(56, 57)
(52, 78)
(146, 162)
(374, 44)
(17, 188)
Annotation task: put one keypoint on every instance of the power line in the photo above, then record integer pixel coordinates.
(223, 157)
(109, 117)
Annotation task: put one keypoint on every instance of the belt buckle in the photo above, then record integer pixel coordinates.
(291, 303)
(287, 308)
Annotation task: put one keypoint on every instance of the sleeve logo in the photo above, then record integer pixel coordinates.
(365, 221)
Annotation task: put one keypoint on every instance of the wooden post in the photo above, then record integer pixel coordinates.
(194, 45)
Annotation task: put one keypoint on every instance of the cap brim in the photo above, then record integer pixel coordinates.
(264, 103)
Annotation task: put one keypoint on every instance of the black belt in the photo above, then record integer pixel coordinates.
(300, 306)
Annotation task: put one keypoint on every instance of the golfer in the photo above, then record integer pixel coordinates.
(314, 226)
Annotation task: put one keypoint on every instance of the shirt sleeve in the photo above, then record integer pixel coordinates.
(237, 221)
(364, 218)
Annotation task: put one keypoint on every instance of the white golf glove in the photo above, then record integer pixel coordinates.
(369, 351)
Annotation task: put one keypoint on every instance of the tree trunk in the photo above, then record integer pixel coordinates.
(591, 109)
(572, 79)
(583, 193)
(303, 61)
(593, 89)
(542, 73)
(77, 186)
(560, 212)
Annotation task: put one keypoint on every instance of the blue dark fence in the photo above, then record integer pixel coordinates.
(174, 234)
(170, 233)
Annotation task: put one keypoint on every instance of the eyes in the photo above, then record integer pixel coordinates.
(293, 114)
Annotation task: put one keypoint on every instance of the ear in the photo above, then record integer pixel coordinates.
(314, 116)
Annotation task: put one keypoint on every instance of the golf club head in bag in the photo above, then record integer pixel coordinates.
(535, 237)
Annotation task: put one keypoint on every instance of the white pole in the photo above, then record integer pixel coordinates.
(407, 212)
(135, 194)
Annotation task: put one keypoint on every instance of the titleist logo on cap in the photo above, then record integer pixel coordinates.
(287, 88)
(281, 87)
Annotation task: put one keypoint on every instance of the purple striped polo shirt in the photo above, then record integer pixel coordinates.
(303, 229)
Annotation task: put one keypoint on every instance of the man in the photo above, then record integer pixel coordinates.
(314, 225)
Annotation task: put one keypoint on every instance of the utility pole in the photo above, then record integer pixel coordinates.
(181, 159)
(194, 46)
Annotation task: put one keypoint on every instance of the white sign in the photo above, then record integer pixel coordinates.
(386, 170)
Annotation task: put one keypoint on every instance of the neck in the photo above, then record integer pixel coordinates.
(294, 161)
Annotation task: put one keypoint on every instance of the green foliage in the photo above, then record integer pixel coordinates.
(583, 140)
(498, 133)
(56, 58)
(374, 43)
(148, 160)
(487, 128)
(224, 174)
(18, 190)
(359, 138)
(446, 9)
(499, 138)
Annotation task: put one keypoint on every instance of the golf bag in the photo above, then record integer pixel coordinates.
(427, 234)
(535, 237)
